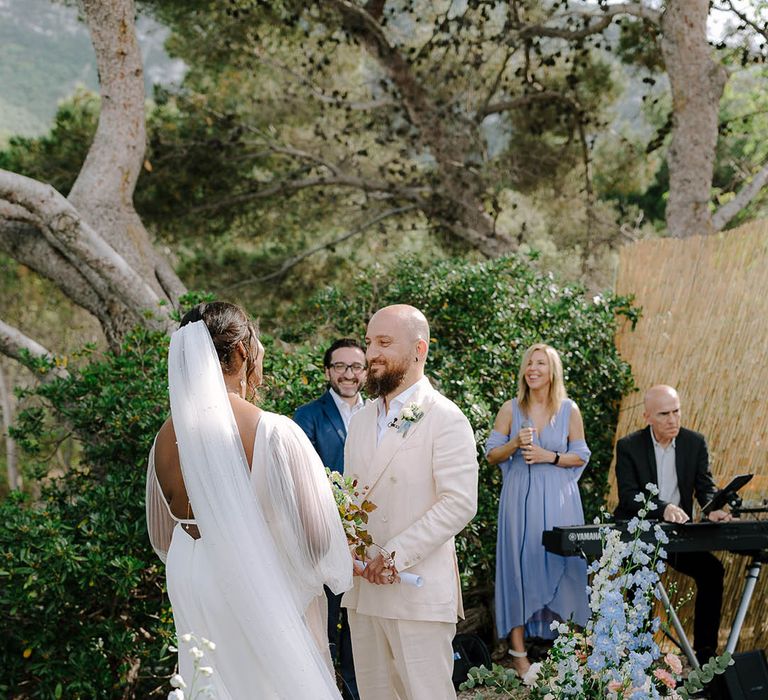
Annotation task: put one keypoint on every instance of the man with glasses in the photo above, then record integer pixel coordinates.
(325, 421)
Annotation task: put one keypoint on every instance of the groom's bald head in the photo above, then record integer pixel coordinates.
(397, 342)
(408, 318)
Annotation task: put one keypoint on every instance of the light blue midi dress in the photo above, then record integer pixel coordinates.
(534, 587)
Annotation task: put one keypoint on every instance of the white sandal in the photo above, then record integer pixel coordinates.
(519, 655)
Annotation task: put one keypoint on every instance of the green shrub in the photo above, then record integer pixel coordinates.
(81, 593)
(83, 602)
(482, 317)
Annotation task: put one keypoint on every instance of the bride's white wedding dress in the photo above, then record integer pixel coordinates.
(270, 538)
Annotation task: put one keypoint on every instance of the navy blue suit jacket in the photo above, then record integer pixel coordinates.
(321, 421)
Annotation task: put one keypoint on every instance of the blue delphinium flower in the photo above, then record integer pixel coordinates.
(617, 645)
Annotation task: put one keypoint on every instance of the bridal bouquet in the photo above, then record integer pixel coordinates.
(353, 510)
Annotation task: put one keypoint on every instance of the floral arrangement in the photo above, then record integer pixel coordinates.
(411, 413)
(179, 684)
(615, 655)
(353, 510)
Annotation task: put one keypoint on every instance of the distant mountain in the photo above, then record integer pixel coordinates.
(45, 52)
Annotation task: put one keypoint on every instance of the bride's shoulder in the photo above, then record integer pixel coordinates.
(275, 422)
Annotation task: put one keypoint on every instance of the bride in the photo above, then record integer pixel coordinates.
(240, 510)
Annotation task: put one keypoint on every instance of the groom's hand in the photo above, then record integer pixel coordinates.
(380, 571)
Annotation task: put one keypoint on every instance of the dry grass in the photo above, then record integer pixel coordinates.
(704, 330)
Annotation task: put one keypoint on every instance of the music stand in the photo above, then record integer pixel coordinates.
(724, 495)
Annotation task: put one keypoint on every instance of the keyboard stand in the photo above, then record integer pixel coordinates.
(753, 573)
(684, 644)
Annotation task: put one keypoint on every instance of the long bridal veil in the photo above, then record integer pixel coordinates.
(267, 566)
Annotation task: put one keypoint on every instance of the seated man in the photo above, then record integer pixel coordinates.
(677, 461)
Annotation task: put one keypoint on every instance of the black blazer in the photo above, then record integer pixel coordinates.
(321, 421)
(636, 466)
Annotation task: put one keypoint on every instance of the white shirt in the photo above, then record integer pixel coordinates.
(395, 406)
(345, 410)
(666, 471)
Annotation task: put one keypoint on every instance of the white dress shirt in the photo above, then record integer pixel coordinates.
(666, 471)
(395, 406)
(345, 410)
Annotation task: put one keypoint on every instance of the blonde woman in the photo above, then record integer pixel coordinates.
(538, 443)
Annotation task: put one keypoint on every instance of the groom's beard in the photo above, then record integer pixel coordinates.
(382, 381)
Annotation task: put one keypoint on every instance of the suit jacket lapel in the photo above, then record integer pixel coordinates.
(393, 441)
(681, 469)
(651, 454)
(332, 412)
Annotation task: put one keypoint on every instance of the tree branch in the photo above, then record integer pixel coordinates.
(66, 231)
(762, 31)
(16, 345)
(603, 18)
(524, 101)
(292, 262)
(287, 187)
(744, 196)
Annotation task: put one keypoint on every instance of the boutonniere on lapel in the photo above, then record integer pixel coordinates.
(411, 413)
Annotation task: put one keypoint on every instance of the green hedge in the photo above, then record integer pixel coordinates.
(482, 317)
(83, 603)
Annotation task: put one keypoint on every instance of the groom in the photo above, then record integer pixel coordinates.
(414, 451)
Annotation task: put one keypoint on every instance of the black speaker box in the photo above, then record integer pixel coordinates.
(468, 651)
(747, 679)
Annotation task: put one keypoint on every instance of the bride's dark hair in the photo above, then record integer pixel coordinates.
(229, 325)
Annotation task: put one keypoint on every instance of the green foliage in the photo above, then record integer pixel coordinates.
(56, 158)
(483, 316)
(83, 595)
(502, 681)
(698, 678)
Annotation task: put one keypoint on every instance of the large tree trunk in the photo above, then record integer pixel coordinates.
(93, 245)
(6, 406)
(697, 83)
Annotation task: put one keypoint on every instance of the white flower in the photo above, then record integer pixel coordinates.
(186, 637)
(196, 653)
(176, 695)
(208, 643)
(206, 670)
(532, 674)
(172, 648)
(411, 412)
(177, 681)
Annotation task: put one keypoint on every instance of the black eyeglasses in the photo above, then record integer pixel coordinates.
(342, 367)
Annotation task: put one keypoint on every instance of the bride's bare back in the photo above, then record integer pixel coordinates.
(168, 467)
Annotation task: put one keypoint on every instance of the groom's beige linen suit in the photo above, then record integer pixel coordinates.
(424, 484)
